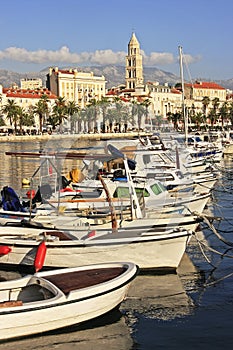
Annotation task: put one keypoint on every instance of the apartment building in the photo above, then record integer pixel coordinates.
(80, 87)
(25, 98)
(164, 99)
(32, 84)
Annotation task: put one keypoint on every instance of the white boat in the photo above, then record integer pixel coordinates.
(50, 248)
(56, 299)
(152, 193)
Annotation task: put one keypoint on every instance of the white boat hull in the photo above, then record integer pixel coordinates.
(80, 305)
(161, 250)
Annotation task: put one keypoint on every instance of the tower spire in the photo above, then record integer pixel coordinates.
(134, 70)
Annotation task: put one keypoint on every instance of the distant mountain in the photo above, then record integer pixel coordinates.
(7, 77)
(114, 75)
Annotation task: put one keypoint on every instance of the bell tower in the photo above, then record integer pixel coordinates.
(134, 71)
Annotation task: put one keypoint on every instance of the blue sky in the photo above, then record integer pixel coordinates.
(39, 34)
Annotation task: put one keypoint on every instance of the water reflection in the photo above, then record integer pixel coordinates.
(17, 168)
(161, 297)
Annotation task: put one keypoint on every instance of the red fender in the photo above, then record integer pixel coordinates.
(4, 249)
(40, 256)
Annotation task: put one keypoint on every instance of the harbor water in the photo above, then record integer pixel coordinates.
(190, 309)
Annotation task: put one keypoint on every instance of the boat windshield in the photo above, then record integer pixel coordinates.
(157, 188)
(124, 192)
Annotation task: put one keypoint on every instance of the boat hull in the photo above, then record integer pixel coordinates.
(163, 250)
(78, 306)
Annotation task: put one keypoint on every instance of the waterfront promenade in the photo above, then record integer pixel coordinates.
(95, 136)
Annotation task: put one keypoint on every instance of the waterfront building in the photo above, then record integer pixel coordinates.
(200, 89)
(164, 99)
(201, 97)
(80, 87)
(31, 84)
(25, 98)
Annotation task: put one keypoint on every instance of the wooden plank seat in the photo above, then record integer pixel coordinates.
(83, 279)
(11, 303)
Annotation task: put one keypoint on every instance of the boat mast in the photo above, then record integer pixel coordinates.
(183, 104)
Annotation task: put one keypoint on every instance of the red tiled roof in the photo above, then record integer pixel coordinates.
(205, 85)
(65, 71)
(24, 93)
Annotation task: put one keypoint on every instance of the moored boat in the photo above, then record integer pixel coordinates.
(37, 247)
(56, 299)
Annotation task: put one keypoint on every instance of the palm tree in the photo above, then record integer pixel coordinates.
(110, 117)
(197, 119)
(20, 114)
(230, 112)
(11, 110)
(121, 114)
(212, 117)
(59, 111)
(138, 109)
(104, 104)
(28, 119)
(174, 118)
(72, 110)
(2, 123)
(224, 112)
(89, 115)
(82, 118)
(41, 109)
(93, 110)
(146, 103)
(205, 103)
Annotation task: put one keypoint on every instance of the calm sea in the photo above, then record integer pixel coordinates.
(188, 310)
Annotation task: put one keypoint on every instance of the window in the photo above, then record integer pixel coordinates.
(157, 189)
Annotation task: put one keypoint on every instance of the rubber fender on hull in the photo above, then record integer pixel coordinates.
(40, 256)
(4, 250)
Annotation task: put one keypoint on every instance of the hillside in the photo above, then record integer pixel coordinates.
(114, 76)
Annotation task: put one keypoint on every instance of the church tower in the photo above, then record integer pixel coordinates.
(134, 71)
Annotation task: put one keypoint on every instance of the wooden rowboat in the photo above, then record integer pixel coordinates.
(55, 299)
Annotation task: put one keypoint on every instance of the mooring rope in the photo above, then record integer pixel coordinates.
(211, 226)
(211, 249)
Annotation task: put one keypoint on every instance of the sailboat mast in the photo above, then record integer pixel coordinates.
(182, 87)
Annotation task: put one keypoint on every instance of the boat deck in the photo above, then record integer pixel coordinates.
(68, 282)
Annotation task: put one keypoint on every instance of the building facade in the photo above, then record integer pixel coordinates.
(164, 99)
(26, 99)
(32, 84)
(80, 87)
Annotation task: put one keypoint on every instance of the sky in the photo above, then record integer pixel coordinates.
(38, 34)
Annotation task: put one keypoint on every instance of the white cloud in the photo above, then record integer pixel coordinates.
(191, 59)
(158, 58)
(63, 55)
